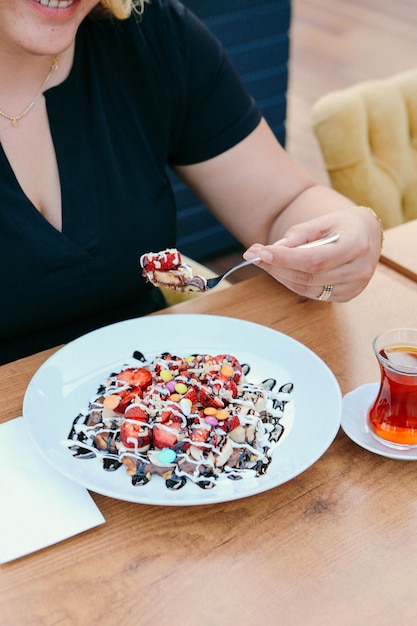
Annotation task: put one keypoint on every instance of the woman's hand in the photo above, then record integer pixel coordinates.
(346, 265)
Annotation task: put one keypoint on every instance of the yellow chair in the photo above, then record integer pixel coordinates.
(367, 134)
(175, 297)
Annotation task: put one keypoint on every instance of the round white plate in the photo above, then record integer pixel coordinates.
(355, 406)
(64, 384)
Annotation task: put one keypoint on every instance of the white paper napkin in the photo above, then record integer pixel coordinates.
(38, 505)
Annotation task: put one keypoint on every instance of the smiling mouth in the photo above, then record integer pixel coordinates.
(56, 4)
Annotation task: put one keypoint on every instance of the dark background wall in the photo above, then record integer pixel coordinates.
(255, 34)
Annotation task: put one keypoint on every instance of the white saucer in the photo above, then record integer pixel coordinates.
(354, 408)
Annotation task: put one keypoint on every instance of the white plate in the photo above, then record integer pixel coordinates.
(64, 384)
(355, 407)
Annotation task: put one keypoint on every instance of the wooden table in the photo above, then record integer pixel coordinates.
(400, 249)
(336, 545)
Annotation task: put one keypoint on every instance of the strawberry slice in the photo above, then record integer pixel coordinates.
(225, 387)
(229, 366)
(135, 377)
(169, 417)
(128, 397)
(200, 435)
(135, 412)
(230, 423)
(166, 436)
(166, 260)
(134, 435)
(207, 398)
(175, 364)
(191, 395)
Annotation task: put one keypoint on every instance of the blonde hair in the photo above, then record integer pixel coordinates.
(121, 8)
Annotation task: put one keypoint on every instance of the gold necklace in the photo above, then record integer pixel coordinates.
(14, 119)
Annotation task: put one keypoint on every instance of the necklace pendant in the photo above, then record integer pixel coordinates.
(15, 119)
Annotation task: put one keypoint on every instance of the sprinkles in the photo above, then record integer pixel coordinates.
(195, 419)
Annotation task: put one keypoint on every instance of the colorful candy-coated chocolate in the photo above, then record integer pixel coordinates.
(185, 405)
(166, 375)
(210, 420)
(167, 456)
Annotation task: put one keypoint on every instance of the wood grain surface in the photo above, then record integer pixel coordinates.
(400, 249)
(335, 545)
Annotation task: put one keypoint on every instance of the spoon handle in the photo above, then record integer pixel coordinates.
(320, 242)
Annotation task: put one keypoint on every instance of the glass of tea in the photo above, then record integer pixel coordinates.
(392, 418)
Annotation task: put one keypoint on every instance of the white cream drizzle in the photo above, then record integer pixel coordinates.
(212, 454)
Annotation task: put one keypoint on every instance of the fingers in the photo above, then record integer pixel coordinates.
(326, 293)
(335, 292)
(282, 254)
(308, 271)
(346, 265)
(300, 265)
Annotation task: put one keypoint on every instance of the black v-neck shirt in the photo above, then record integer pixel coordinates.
(143, 93)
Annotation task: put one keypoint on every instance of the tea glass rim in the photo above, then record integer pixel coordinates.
(403, 369)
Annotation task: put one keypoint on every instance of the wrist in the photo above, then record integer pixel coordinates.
(378, 219)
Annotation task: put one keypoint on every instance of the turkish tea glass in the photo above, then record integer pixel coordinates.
(392, 418)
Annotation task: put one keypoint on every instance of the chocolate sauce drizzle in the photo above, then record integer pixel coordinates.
(90, 437)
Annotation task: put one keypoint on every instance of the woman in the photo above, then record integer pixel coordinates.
(96, 99)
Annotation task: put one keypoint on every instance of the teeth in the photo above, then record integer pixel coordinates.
(56, 4)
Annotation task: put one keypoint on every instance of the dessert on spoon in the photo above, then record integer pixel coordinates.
(167, 268)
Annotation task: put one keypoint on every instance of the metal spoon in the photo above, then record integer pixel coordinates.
(213, 282)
